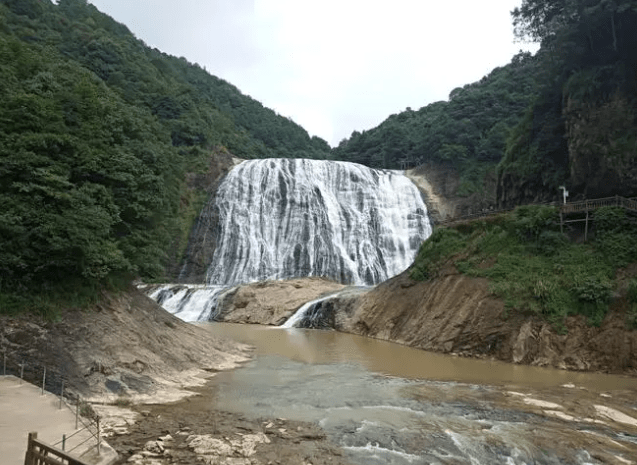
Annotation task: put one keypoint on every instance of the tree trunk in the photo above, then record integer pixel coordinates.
(612, 22)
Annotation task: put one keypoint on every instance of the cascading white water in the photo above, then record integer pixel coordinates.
(288, 218)
(188, 302)
(284, 218)
(301, 312)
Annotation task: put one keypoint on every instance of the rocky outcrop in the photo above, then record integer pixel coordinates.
(456, 313)
(601, 145)
(587, 145)
(271, 302)
(439, 183)
(453, 313)
(201, 242)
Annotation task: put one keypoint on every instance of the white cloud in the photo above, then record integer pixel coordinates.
(333, 66)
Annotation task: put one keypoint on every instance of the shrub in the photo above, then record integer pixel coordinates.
(617, 247)
(615, 236)
(442, 244)
(537, 226)
(593, 289)
(531, 221)
(593, 294)
(610, 219)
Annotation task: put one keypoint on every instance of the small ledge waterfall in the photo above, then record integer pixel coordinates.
(287, 218)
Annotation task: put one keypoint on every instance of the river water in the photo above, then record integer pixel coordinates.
(384, 403)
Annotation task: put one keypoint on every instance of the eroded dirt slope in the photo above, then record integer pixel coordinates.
(457, 314)
(126, 345)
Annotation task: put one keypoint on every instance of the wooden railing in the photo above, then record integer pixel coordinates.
(474, 216)
(570, 207)
(589, 205)
(40, 453)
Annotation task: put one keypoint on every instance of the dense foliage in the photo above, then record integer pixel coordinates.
(97, 131)
(532, 265)
(632, 302)
(582, 125)
(468, 132)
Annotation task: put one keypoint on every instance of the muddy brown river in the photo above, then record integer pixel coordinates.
(384, 403)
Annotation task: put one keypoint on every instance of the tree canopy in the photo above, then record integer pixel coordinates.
(468, 132)
(579, 130)
(97, 131)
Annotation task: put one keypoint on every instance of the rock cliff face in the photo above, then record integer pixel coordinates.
(125, 345)
(457, 314)
(439, 184)
(200, 242)
(601, 145)
(590, 147)
(514, 190)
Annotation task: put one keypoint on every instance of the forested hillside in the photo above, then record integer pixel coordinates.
(468, 132)
(565, 116)
(580, 131)
(97, 132)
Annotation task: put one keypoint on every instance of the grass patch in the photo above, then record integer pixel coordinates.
(532, 266)
(50, 302)
(440, 246)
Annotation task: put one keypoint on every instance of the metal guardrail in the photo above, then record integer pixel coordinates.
(91, 425)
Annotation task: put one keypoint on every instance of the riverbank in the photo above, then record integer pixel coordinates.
(123, 347)
(458, 314)
(146, 373)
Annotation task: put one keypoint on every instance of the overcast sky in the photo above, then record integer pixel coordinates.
(333, 66)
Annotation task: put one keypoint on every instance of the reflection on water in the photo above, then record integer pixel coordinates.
(386, 403)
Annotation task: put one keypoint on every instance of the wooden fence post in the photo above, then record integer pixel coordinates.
(99, 436)
(28, 457)
(43, 380)
(61, 396)
(77, 411)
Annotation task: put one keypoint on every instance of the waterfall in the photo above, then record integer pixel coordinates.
(302, 313)
(287, 218)
(188, 302)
